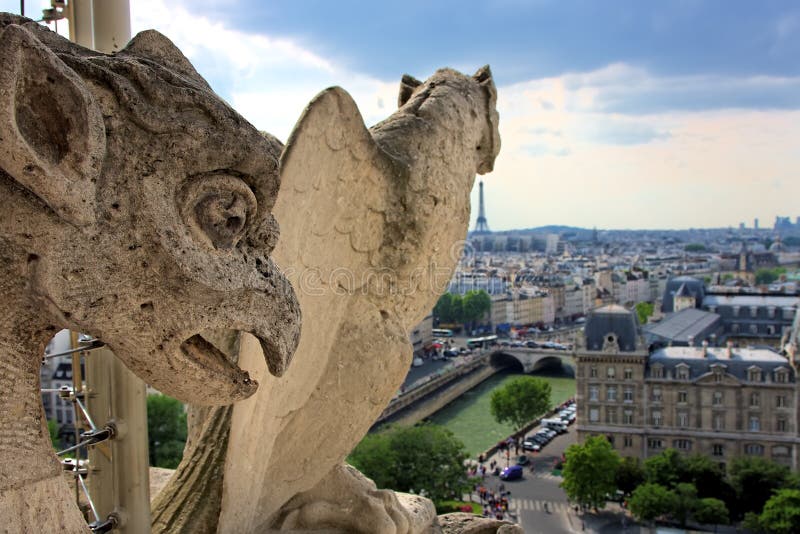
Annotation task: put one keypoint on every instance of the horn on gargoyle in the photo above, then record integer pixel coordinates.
(52, 137)
(153, 45)
(407, 86)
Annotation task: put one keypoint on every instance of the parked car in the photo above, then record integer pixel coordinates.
(513, 472)
(531, 445)
(523, 459)
(531, 344)
(417, 362)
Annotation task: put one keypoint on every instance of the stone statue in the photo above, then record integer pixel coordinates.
(371, 226)
(135, 205)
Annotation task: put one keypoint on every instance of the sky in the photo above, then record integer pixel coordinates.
(613, 114)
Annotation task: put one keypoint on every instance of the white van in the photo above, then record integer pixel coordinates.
(556, 424)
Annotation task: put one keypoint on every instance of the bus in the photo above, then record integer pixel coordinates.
(481, 342)
(442, 332)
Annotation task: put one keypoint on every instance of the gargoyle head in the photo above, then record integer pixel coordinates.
(488, 147)
(136, 207)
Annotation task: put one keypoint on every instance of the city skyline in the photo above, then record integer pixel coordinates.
(679, 115)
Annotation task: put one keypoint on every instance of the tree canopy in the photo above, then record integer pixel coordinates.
(590, 472)
(630, 474)
(471, 307)
(425, 458)
(166, 430)
(520, 401)
(781, 513)
(755, 479)
(643, 311)
(650, 501)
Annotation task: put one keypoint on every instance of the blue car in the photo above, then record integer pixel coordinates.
(511, 473)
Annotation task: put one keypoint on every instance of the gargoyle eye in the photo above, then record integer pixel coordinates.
(218, 208)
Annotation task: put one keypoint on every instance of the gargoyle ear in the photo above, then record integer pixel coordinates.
(407, 86)
(152, 45)
(52, 137)
(483, 75)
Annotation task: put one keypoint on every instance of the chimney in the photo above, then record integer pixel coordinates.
(729, 349)
(690, 339)
(705, 348)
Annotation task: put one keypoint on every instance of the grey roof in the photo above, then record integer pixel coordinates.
(694, 287)
(611, 319)
(737, 364)
(778, 301)
(679, 327)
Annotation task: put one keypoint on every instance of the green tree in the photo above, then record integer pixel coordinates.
(781, 513)
(711, 511)
(520, 401)
(166, 430)
(424, 458)
(755, 479)
(375, 457)
(444, 308)
(630, 474)
(590, 472)
(683, 504)
(52, 429)
(665, 469)
(643, 311)
(650, 501)
(708, 477)
(476, 305)
(456, 309)
(767, 276)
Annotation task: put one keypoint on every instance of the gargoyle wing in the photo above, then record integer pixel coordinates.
(339, 181)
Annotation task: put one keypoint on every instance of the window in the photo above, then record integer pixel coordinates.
(718, 421)
(682, 444)
(780, 376)
(717, 398)
(754, 329)
(594, 415)
(656, 394)
(754, 449)
(683, 419)
(59, 417)
(755, 399)
(611, 372)
(655, 444)
(627, 417)
(771, 312)
(780, 401)
(656, 417)
(627, 441)
(753, 311)
(754, 374)
(611, 393)
(628, 373)
(627, 395)
(781, 425)
(682, 397)
(754, 424)
(657, 371)
(594, 393)
(718, 450)
(735, 311)
(780, 450)
(682, 372)
(593, 372)
(611, 416)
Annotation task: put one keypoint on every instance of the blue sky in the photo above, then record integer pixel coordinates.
(682, 113)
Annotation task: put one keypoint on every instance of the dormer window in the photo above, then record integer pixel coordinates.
(657, 371)
(781, 375)
(771, 312)
(754, 374)
(611, 373)
(735, 310)
(682, 371)
(753, 311)
(718, 371)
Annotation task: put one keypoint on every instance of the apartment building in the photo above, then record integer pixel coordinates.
(719, 401)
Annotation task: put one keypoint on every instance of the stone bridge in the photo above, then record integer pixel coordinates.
(529, 360)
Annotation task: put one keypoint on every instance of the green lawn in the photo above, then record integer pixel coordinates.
(470, 419)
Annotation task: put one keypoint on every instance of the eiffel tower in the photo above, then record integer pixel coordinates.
(481, 225)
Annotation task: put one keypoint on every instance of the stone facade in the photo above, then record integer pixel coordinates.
(721, 402)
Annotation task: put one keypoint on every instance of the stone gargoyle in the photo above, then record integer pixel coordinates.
(371, 221)
(135, 205)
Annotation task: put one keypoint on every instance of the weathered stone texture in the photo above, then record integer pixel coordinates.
(135, 206)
